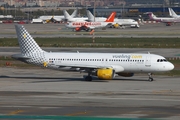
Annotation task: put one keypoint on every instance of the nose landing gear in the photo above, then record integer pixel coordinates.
(150, 77)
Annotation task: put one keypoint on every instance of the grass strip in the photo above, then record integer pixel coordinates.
(100, 42)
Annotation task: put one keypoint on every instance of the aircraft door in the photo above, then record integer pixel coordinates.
(148, 61)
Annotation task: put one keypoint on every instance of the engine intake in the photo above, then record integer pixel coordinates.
(105, 74)
(77, 29)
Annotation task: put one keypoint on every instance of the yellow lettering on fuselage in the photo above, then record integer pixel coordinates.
(136, 56)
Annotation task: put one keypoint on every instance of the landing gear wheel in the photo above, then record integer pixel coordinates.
(87, 30)
(88, 78)
(150, 77)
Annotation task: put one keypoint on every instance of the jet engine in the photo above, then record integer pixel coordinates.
(116, 25)
(126, 74)
(105, 74)
(77, 29)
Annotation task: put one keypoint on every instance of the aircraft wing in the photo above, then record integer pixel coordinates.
(80, 66)
(83, 66)
(57, 19)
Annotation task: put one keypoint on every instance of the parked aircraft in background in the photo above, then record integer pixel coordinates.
(167, 20)
(105, 66)
(117, 22)
(172, 13)
(6, 16)
(89, 26)
(53, 18)
(126, 22)
(91, 17)
(38, 21)
(69, 18)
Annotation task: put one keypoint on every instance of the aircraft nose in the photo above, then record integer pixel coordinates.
(170, 66)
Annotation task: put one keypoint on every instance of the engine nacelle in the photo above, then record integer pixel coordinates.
(105, 74)
(77, 29)
(116, 25)
(126, 74)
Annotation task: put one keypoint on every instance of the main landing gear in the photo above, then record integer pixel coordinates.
(150, 77)
(89, 77)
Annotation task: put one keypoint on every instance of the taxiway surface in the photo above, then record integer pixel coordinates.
(48, 92)
(59, 30)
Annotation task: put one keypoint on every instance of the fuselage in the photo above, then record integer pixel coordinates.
(126, 22)
(77, 19)
(163, 19)
(102, 65)
(128, 62)
(119, 21)
(87, 24)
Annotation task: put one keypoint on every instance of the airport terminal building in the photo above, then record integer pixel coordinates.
(133, 11)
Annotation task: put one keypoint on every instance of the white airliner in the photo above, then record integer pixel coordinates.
(103, 65)
(167, 20)
(120, 22)
(89, 26)
(56, 18)
(172, 13)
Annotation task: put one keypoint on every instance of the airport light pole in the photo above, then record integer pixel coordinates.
(93, 37)
(15, 11)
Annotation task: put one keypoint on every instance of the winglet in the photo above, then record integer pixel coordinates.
(111, 17)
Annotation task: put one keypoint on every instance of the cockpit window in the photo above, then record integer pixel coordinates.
(161, 60)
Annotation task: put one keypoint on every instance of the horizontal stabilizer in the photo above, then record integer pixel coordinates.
(20, 56)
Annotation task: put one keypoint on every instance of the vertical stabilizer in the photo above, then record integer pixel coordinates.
(151, 15)
(26, 42)
(172, 13)
(111, 17)
(74, 14)
(66, 15)
(90, 16)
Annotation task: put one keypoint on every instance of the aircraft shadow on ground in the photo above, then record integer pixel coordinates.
(130, 79)
(62, 79)
(52, 79)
